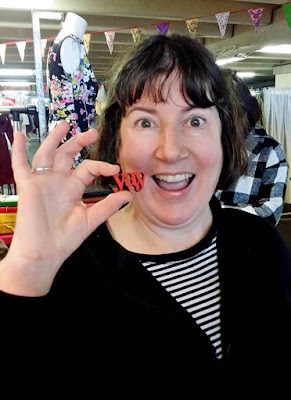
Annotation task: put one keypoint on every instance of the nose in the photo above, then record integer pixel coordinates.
(171, 145)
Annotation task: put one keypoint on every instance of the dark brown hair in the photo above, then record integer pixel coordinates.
(248, 102)
(147, 67)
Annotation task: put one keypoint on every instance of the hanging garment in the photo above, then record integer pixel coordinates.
(277, 106)
(6, 173)
(72, 96)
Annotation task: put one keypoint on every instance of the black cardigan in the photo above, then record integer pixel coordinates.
(105, 308)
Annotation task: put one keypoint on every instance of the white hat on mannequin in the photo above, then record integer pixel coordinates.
(74, 25)
(70, 50)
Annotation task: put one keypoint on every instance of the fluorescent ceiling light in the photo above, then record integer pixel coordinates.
(230, 60)
(279, 49)
(15, 92)
(50, 15)
(20, 84)
(246, 74)
(28, 4)
(17, 72)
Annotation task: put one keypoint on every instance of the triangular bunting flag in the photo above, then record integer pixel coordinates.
(109, 35)
(256, 16)
(2, 52)
(86, 40)
(21, 49)
(222, 20)
(43, 47)
(192, 25)
(287, 13)
(163, 28)
(136, 34)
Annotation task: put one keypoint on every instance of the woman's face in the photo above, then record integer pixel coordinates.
(179, 149)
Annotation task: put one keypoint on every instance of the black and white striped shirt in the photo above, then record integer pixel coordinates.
(194, 282)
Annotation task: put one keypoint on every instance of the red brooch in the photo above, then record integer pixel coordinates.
(129, 179)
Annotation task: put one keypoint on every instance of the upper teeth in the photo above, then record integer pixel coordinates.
(174, 178)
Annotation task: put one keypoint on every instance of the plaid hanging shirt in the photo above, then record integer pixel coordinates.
(262, 190)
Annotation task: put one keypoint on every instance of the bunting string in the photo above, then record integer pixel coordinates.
(162, 28)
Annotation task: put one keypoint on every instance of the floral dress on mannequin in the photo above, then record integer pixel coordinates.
(72, 96)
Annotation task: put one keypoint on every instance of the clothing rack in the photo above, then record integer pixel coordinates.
(15, 111)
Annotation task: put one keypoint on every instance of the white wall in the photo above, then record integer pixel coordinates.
(283, 80)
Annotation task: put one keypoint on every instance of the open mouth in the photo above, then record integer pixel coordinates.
(173, 182)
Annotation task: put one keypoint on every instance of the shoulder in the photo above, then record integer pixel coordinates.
(260, 142)
(65, 45)
(261, 135)
(252, 223)
(67, 38)
(70, 54)
(245, 220)
(258, 131)
(256, 249)
(253, 231)
(71, 43)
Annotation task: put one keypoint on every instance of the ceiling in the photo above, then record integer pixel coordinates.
(121, 15)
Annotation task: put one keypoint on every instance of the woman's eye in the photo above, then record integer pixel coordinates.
(144, 123)
(196, 122)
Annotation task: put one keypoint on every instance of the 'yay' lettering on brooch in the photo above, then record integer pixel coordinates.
(129, 179)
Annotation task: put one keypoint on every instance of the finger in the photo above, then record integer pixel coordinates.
(44, 157)
(102, 210)
(89, 169)
(64, 155)
(19, 158)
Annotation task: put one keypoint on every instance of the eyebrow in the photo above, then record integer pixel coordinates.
(154, 112)
(149, 110)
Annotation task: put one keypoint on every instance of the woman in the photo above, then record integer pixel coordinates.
(261, 191)
(158, 286)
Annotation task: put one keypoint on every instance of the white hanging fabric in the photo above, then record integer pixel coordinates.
(277, 110)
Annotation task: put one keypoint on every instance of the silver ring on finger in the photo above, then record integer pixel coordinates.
(41, 169)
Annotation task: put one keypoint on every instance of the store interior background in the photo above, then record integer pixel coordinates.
(240, 39)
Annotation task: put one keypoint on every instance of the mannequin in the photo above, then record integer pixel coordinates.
(71, 82)
(70, 51)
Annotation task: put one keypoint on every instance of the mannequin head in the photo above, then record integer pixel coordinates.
(73, 25)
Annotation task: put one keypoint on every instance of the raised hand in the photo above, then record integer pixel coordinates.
(52, 221)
